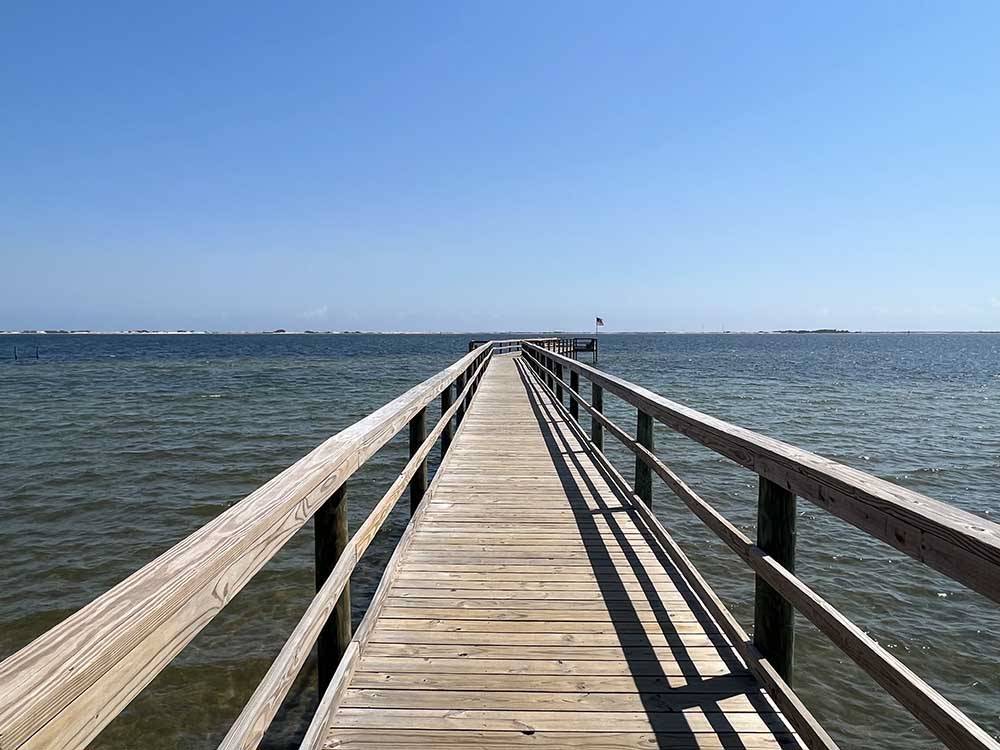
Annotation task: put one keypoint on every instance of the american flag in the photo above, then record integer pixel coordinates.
(600, 321)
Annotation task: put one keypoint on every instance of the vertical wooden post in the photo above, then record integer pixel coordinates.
(574, 384)
(418, 434)
(331, 540)
(558, 378)
(643, 474)
(447, 399)
(773, 617)
(472, 389)
(460, 412)
(596, 428)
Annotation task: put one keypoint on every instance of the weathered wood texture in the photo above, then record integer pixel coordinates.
(449, 429)
(643, 474)
(418, 485)
(596, 428)
(332, 537)
(571, 627)
(774, 617)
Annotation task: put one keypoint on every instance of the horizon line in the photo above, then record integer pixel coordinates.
(355, 332)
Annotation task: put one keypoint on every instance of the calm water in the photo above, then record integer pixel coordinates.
(114, 448)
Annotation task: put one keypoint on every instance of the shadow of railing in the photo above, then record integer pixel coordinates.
(664, 705)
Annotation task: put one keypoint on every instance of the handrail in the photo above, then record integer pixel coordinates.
(811, 732)
(248, 730)
(319, 724)
(63, 688)
(944, 719)
(570, 345)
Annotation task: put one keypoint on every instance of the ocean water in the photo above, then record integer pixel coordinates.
(113, 448)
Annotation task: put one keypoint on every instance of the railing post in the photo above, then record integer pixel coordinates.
(331, 539)
(574, 385)
(447, 399)
(596, 428)
(773, 617)
(558, 379)
(643, 474)
(459, 385)
(469, 371)
(418, 434)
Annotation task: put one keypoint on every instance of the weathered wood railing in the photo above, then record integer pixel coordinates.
(963, 546)
(566, 346)
(60, 690)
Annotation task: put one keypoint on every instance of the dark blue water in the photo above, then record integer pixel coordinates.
(114, 448)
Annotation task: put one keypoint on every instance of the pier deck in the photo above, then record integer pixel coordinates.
(531, 605)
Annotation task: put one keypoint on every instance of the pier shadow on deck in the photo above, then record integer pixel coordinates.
(704, 693)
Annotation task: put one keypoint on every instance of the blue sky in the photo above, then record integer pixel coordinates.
(500, 165)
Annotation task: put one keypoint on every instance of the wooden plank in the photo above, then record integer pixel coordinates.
(551, 603)
(423, 636)
(687, 668)
(692, 720)
(616, 652)
(405, 739)
(634, 587)
(557, 593)
(703, 696)
(679, 613)
(484, 681)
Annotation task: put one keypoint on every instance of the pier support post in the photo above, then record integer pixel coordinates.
(574, 384)
(773, 617)
(331, 540)
(469, 372)
(447, 399)
(548, 375)
(418, 434)
(460, 412)
(559, 377)
(596, 428)
(643, 474)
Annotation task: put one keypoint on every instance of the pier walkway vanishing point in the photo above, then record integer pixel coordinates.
(534, 600)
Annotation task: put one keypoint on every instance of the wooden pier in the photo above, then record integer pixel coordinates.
(534, 600)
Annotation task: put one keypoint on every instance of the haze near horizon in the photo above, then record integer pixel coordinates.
(500, 167)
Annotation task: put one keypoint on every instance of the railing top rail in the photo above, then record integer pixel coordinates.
(963, 546)
(509, 341)
(69, 680)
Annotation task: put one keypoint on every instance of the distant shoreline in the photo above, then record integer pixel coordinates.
(282, 332)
